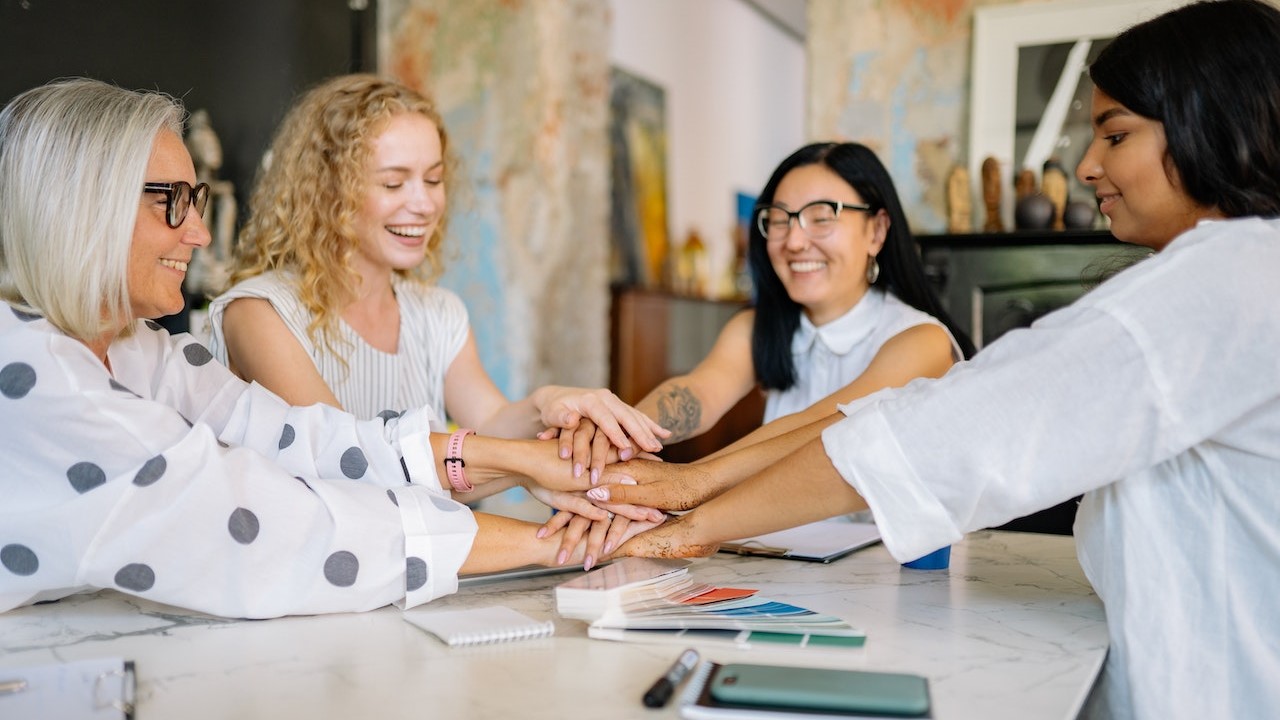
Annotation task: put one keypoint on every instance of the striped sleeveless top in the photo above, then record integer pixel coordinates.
(372, 383)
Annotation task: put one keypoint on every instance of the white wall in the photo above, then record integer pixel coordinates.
(735, 94)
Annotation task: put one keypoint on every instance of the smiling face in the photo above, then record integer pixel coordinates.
(405, 197)
(159, 254)
(1136, 184)
(826, 276)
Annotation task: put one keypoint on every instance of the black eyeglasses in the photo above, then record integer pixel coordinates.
(178, 199)
(817, 219)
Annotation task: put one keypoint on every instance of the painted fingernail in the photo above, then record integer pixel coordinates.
(598, 493)
(564, 453)
(624, 480)
(608, 547)
(626, 453)
(564, 555)
(586, 565)
(595, 476)
(577, 469)
(542, 532)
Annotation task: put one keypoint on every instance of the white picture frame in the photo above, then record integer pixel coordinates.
(998, 33)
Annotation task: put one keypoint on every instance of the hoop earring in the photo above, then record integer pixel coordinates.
(873, 271)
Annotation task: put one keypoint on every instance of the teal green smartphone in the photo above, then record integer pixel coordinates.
(823, 689)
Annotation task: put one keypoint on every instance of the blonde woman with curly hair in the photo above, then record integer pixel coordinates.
(333, 300)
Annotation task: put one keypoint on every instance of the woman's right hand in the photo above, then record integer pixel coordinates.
(590, 541)
(676, 538)
(666, 486)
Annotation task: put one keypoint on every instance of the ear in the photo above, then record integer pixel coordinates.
(881, 224)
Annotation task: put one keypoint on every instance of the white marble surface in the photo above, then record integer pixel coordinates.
(1012, 630)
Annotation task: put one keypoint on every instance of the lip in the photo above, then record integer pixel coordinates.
(1106, 201)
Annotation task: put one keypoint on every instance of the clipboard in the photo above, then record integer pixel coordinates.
(97, 689)
(822, 541)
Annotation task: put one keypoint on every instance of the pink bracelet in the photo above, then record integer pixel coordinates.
(453, 463)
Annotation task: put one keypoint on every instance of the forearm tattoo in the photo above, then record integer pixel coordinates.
(679, 411)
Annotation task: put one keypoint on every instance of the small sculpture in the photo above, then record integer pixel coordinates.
(207, 272)
(959, 202)
(1032, 211)
(1053, 183)
(991, 195)
(1079, 215)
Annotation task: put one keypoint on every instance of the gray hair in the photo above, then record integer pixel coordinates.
(73, 159)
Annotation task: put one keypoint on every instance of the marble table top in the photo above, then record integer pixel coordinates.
(1011, 630)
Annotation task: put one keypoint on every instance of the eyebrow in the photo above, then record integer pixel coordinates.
(1109, 113)
(439, 164)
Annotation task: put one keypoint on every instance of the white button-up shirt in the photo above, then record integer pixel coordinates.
(1157, 395)
(831, 356)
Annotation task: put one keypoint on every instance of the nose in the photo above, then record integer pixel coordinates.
(1090, 168)
(194, 230)
(426, 199)
(797, 239)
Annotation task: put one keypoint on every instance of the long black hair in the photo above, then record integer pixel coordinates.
(1210, 73)
(778, 316)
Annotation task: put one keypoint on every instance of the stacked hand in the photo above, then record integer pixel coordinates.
(594, 427)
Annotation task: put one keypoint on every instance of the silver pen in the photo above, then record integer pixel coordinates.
(8, 687)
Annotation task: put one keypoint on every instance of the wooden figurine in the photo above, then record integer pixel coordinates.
(959, 203)
(991, 194)
(1053, 183)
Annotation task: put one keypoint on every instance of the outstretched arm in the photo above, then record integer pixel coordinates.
(672, 486)
(474, 401)
(920, 351)
(802, 487)
(689, 405)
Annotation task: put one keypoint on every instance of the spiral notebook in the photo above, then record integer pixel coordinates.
(479, 626)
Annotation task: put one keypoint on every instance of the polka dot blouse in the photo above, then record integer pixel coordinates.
(176, 481)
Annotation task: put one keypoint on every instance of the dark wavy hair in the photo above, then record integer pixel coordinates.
(901, 272)
(1210, 73)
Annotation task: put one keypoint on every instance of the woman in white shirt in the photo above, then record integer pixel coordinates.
(842, 305)
(133, 461)
(1157, 395)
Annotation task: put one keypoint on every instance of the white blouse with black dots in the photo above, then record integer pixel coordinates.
(176, 481)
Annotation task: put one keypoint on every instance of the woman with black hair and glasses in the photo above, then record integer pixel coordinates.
(842, 310)
(842, 307)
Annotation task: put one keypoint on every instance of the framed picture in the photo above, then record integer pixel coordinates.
(1030, 92)
(638, 185)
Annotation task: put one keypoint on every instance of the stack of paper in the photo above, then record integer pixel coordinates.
(657, 601)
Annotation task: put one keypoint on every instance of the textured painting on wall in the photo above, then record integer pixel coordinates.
(638, 185)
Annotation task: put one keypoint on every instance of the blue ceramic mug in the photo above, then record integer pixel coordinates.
(936, 560)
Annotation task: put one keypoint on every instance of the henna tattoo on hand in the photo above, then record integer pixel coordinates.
(679, 411)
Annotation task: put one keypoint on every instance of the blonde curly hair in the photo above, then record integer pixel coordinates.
(304, 208)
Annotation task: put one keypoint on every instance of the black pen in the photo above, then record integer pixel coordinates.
(660, 693)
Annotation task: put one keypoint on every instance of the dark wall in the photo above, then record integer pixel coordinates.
(242, 60)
